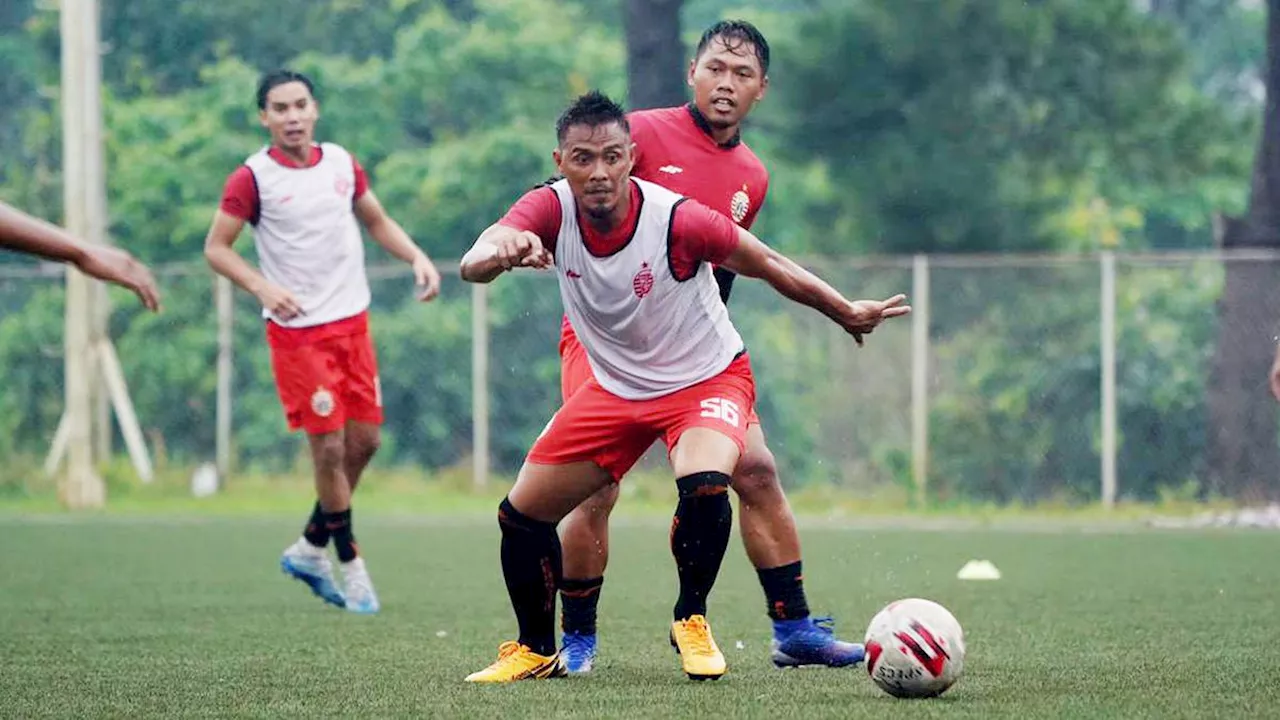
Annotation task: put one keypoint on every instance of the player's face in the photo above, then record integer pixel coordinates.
(597, 162)
(727, 81)
(290, 116)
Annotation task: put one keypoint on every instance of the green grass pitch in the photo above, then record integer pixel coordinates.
(182, 617)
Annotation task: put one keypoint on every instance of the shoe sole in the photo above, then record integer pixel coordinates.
(314, 583)
(542, 673)
(791, 662)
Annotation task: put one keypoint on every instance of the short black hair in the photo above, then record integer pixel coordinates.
(593, 110)
(734, 34)
(275, 79)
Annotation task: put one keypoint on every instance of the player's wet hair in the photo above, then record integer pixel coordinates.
(734, 34)
(593, 110)
(275, 79)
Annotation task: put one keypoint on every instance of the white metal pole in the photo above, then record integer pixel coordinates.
(95, 198)
(1108, 342)
(81, 487)
(225, 300)
(920, 377)
(480, 384)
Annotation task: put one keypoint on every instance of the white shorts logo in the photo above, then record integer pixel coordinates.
(322, 402)
(377, 390)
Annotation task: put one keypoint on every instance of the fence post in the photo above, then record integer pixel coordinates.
(920, 377)
(224, 300)
(1108, 343)
(480, 384)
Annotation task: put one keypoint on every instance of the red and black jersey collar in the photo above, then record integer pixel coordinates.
(701, 121)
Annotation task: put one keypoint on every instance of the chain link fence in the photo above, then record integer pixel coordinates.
(1003, 403)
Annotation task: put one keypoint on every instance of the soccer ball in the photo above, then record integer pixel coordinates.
(915, 649)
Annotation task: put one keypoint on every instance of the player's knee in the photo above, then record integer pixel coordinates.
(755, 479)
(329, 451)
(511, 520)
(596, 509)
(703, 484)
(704, 497)
(365, 448)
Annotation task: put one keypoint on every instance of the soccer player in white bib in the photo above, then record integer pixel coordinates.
(634, 264)
(303, 201)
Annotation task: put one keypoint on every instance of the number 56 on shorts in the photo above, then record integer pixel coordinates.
(722, 409)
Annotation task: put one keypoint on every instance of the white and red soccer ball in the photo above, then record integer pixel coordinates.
(915, 649)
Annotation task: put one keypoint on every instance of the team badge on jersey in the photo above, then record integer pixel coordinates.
(642, 283)
(740, 205)
(322, 402)
(342, 186)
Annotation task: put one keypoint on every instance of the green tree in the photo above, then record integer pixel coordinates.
(962, 125)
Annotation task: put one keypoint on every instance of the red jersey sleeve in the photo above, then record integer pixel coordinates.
(537, 211)
(362, 179)
(240, 195)
(699, 234)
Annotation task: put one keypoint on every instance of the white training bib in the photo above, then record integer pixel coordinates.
(646, 333)
(307, 238)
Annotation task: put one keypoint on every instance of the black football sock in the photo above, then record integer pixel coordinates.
(531, 568)
(344, 540)
(315, 532)
(699, 538)
(784, 591)
(579, 599)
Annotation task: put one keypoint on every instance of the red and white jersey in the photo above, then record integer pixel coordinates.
(306, 234)
(674, 149)
(646, 332)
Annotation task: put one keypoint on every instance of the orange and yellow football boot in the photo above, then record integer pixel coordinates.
(518, 662)
(701, 658)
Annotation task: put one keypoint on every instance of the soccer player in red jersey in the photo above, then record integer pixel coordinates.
(26, 234)
(633, 261)
(303, 201)
(697, 151)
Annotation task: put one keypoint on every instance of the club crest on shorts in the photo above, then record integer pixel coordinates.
(322, 402)
(740, 205)
(642, 283)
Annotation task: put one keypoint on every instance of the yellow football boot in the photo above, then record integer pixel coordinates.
(518, 662)
(701, 659)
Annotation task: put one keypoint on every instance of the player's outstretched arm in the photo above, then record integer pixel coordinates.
(33, 236)
(501, 248)
(388, 233)
(753, 258)
(225, 261)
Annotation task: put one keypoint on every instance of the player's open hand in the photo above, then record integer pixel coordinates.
(117, 266)
(279, 302)
(863, 316)
(522, 250)
(426, 279)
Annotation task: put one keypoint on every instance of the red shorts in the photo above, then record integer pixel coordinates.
(326, 375)
(575, 369)
(613, 433)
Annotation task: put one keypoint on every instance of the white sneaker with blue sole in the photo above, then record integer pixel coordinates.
(360, 595)
(308, 563)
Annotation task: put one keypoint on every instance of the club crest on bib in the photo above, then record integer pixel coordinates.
(642, 283)
(740, 205)
(342, 186)
(322, 402)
